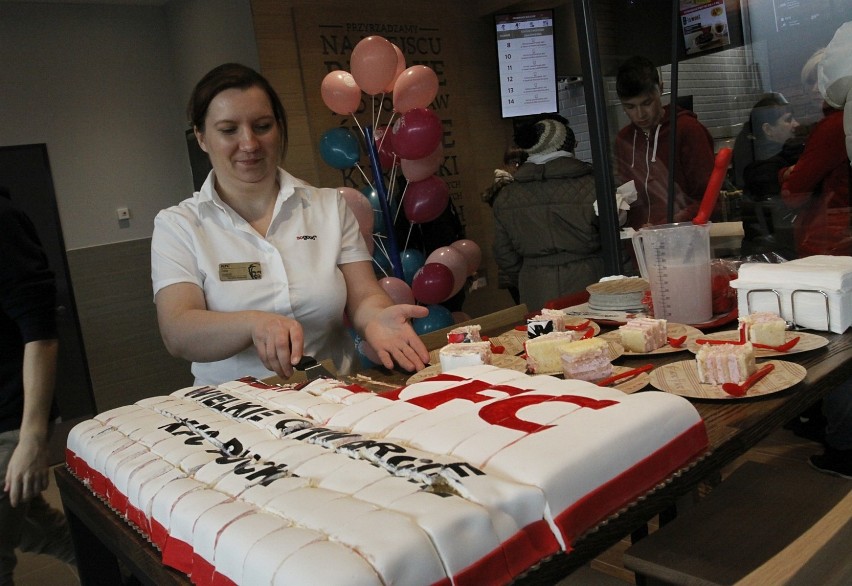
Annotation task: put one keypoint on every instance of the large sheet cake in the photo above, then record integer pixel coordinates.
(469, 477)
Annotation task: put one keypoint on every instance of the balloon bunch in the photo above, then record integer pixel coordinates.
(410, 144)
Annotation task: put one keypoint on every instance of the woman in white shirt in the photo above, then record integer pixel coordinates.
(255, 270)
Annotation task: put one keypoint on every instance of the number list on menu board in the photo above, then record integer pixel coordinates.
(526, 56)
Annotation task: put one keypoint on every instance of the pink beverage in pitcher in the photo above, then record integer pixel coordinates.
(682, 294)
(675, 259)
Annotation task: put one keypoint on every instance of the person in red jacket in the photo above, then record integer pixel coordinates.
(817, 188)
(642, 148)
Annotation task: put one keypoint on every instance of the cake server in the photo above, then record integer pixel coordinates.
(313, 369)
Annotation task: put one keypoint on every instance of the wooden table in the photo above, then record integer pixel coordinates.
(733, 428)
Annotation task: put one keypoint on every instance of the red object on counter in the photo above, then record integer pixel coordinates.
(708, 202)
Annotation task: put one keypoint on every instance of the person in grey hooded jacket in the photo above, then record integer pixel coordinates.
(546, 236)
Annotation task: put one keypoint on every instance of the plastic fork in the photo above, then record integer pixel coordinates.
(676, 342)
(737, 390)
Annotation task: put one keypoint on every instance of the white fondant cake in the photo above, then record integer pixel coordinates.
(452, 480)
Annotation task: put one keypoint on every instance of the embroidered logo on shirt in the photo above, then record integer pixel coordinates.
(307, 237)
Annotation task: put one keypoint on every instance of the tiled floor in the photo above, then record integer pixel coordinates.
(781, 448)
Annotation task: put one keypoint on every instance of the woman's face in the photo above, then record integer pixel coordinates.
(241, 137)
(782, 129)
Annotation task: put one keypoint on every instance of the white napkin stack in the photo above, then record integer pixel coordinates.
(830, 274)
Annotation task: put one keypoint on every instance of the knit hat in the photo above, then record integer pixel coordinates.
(544, 136)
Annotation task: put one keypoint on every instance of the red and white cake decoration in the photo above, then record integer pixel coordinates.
(469, 477)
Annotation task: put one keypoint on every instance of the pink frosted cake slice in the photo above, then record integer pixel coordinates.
(764, 327)
(543, 352)
(643, 334)
(725, 363)
(586, 360)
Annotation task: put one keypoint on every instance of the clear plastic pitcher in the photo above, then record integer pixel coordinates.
(675, 259)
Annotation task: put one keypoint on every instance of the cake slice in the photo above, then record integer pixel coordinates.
(464, 354)
(548, 321)
(587, 360)
(764, 327)
(464, 334)
(543, 352)
(725, 363)
(643, 334)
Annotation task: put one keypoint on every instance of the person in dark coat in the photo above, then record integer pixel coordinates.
(546, 236)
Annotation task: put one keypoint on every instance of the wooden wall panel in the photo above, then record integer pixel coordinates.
(292, 57)
(127, 358)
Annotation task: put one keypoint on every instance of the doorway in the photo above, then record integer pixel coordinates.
(25, 172)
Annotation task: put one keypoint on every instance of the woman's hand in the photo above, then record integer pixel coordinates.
(278, 341)
(394, 340)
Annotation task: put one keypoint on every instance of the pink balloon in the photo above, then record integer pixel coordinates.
(471, 252)
(360, 206)
(420, 169)
(424, 200)
(340, 92)
(432, 283)
(384, 146)
(453, 260)
(400, 67)
(416, 87)
(373, 64)
(398, 290)
(417, 133)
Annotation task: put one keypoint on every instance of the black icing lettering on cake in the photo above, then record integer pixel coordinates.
(539, 327)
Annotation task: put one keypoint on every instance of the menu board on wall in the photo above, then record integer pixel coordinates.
(527, 63)
(705, 25)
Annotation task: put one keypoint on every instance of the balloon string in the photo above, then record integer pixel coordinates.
(358, 124)
(379, 113)
(407, 238)
(381, 268)
(364, 175)
(401, 198)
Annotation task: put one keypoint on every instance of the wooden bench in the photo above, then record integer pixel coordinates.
(762, 525)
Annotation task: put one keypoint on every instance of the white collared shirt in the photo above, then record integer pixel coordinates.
(311, 233)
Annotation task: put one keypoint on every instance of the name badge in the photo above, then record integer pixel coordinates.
(240, 271)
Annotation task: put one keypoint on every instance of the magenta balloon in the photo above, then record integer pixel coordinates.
(432, 283)
(400, 67)
(373, 64)
(417, 133)
(471, 252)
(397, 289)
(453, 260)
(420, 169)
(423, 201)
(340, 92)
(384, 146)
(416, 87)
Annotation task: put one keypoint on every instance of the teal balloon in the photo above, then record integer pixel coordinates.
(363, 361)
(411, 260)
(439, 317)
(383, 261)
(339, 148)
